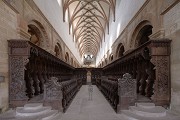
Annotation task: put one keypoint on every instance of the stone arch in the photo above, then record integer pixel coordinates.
(106, 61)
(60, 51)
(38, 34)
(72, 61)
(67, 57)
(56, 50)
(111, 57)
(102, 63)
(75, 64)
(141, 33)
(120, 50)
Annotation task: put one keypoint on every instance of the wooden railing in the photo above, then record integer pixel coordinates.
(30, 68)
(96, 74)
(69, 90)
(110, 90)
(81, 74)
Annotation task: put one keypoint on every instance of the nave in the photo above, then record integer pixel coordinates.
(84, 107)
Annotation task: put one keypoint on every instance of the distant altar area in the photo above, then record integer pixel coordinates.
(88, 77)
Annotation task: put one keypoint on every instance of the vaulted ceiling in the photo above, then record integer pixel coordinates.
(88, 22)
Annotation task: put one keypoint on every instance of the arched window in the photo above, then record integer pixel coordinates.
(56, 50)
(72, 61)
(35, 34)
(106, 62)
(74, 64)
(120, 50)
(60, 51)
(38, 34)
(143, 35)
(67, 57)
(111, 57)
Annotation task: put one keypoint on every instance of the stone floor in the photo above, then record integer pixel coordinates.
(82, 108)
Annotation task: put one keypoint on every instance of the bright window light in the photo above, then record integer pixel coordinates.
(66, 16)
(118, 30)
(59, 2)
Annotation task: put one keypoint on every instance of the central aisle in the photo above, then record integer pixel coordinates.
(84, 109)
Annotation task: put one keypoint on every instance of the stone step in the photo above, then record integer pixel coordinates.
(21, 111)
(33, 106)
(129, 115)
(122, 117)
(145, 105)
(55, 117)
(51, 115)
(157, 111)
(45, 116)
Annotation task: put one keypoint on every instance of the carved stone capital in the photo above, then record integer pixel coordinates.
(23, 34)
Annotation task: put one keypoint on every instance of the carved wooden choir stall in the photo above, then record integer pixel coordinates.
(109, 88)
(81, 74)
(96, 75)
(149, 66)
(31, 68)
(144, 71)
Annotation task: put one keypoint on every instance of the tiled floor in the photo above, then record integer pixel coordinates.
(82, 108)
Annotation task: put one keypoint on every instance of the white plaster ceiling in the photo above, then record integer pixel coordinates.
(89, 20)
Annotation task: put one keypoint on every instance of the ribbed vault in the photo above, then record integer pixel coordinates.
(88, 21)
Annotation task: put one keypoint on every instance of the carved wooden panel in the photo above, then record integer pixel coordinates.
(30, 68)
(17, 88)
(162, 84)
(127, 86)
(109, 88)
(149, 64)
(53, 89)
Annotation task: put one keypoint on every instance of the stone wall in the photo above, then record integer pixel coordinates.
(124, 13)
(54, 13)
(16, 15)
(8, 25)
(171, 23)
(164, 16)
